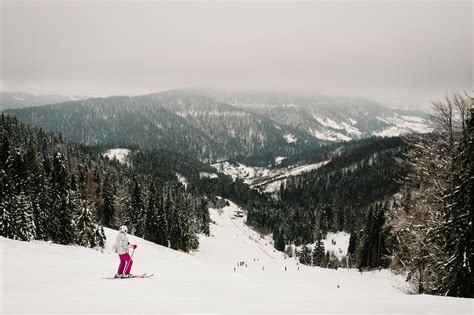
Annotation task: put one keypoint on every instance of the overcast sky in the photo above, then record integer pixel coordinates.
(395, 52)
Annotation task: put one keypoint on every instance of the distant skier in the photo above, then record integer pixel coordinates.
(121, 247)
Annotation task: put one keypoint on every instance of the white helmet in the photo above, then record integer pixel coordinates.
(123, 229)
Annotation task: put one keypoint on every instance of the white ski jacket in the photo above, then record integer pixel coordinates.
(122, 245)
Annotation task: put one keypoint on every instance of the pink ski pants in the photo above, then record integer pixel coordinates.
(125, 264)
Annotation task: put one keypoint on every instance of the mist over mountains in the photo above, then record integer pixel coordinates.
(11, 100)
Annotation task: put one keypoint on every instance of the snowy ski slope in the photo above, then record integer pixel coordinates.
(39, 277)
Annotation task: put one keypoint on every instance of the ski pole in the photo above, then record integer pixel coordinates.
(126, 265)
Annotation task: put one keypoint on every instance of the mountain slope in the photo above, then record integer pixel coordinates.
(68, 280)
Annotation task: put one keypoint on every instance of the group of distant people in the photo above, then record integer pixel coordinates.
(243, 263)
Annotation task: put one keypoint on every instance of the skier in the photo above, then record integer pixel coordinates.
(121, 247)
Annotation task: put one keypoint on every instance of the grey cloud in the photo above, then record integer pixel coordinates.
(400, 52)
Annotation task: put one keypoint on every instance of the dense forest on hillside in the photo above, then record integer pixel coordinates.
(55, 190)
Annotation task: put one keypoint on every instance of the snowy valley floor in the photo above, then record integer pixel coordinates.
(38, 277)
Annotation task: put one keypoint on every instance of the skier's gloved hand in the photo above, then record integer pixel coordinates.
(135, 246)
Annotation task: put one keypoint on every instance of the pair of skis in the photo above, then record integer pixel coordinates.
(142, 276)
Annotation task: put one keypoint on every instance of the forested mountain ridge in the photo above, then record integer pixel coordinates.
(177, 120)
(213, 126)
(13, 100)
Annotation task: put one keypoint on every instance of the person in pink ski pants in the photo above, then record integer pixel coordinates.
(121, 247)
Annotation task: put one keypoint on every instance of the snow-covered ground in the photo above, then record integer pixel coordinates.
(402, 125)
(329, 135)
(290, 138)
(183, 180)
(271, 182)
(118, 154)
(266, 179)
(332, 130)
(38, 277)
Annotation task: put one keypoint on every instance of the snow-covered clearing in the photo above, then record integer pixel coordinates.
(402, 125)
(290, 138)
(328, 122)
(329, 135)
(207, 175)
(118, 154)
(265, 179)
(272, 181)
(183, 180)
(335, 243)
(38, 277)
(239, 170)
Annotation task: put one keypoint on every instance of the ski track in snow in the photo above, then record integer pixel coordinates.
(51, 278)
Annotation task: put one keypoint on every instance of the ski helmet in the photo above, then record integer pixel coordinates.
(123, 229)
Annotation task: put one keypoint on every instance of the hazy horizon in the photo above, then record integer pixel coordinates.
(396, 53)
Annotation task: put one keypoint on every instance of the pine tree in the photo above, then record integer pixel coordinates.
(371, 246)
(136, 211)
(150, 219)
(187, 239)
(85, 232)
(353, 238)
(319, 254)
(205, 217)
(364, 251)
(6, 205)
(24, 226)
(106, 214)
(100, 236)
(279, 240)
(305, 255)
(64, 205)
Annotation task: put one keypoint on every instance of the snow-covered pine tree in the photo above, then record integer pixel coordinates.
(23, 227)
(64, 204)
(135, 213)
(161, 221)
(150, 218)
(106, 213)
(100, 236)
(85, 231)
(204, 216)
(188, 239)
(6, 206)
